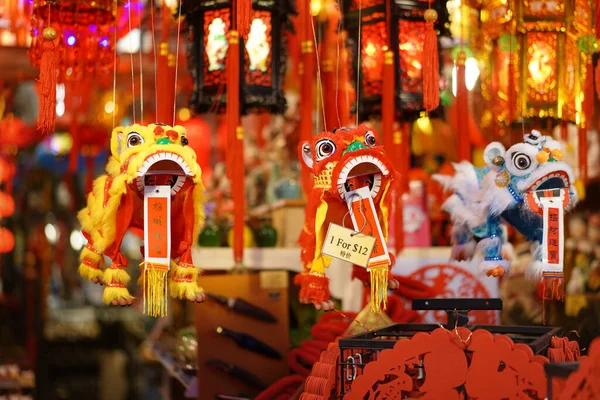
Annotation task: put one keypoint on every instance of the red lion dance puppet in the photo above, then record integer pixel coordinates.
(343, 161)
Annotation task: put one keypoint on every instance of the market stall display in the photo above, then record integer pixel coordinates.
(344, 186)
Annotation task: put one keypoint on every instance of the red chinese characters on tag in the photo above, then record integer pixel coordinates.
(157, 232)
(553, 236)
(553, 243)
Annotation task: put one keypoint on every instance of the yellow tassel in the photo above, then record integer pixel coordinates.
(155, 289)
(379, 287)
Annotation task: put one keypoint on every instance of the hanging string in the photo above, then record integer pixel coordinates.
(177, 60)
(114, 93)
(358, 59)
(142, 76)
(131, 60)
(337, 64)
(319, 82)
(155, 65)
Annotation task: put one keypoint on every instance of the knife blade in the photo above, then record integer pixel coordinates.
(242, 307)
(249, 342)
(237, 373)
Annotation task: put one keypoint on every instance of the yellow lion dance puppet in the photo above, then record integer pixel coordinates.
(144, 155)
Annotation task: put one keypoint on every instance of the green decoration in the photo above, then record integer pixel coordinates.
(266, 236)
(588, 44)
(446, 98)
(458, 49)
(508, 43)
(210, 236)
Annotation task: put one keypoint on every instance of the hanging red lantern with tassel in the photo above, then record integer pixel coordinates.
(411, 38)
(263, 55)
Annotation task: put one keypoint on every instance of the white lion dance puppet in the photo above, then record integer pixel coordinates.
(528, 186)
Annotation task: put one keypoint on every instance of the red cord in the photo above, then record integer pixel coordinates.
(563, 350)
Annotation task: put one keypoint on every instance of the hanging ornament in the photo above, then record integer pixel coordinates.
(153, 184)
(533, 188)
(431, 66)
(71, 40)
(353, 181)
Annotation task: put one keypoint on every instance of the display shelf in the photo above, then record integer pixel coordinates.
(288, 258)
(221, 258)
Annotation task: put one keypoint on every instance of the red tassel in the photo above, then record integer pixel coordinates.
(512, 93)
(244, 17)
(564, 132)
(462, 110)
(328, 77)
(582, 147)
(47, 92)
(552, 289)
(343, 92)
(431, 66)
(306, 105)
(598, 79)
(164, 107)
(236, 143)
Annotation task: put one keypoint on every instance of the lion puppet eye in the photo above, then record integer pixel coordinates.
(134, 139)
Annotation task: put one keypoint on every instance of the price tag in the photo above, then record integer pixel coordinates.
(157, 224)
(553, 245)
(345, 244)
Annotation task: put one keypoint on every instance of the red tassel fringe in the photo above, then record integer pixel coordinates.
(236, 146)
(431, 69)
(47, 92)
(462, 109)
(598, 79)
(315, 288)
(552, 289)
(244, 17)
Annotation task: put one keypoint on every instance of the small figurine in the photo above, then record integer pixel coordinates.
(155, 155)
(514, 186)
(343, 161)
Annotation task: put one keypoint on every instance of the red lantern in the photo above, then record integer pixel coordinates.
(7, 241)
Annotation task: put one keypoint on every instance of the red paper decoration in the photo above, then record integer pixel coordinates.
(584, 384)
(455, 364)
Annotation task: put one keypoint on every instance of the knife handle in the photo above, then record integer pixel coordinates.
(237, 337)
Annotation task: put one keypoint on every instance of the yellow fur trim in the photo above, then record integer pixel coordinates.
(181, 272)
(199, 217)
(92, 264)
(115, 293)
(183, 282)
(91, 257)
(116, 275)
(184, 290)
(90, 273)
(385, 212)
(321, 261)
